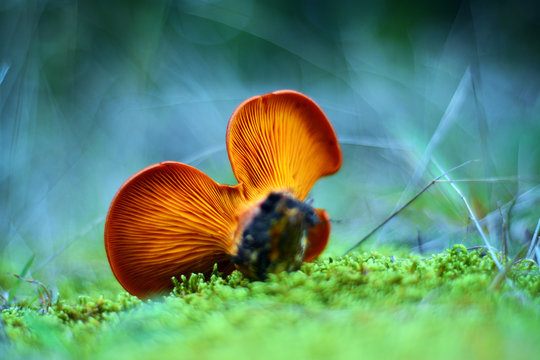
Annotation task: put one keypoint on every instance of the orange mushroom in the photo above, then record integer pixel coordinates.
(171, 219)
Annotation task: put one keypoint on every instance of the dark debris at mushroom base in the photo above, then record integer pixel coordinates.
(275, 239)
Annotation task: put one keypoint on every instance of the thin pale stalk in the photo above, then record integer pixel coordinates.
(491, 180)
(405, 205)
(473, 218)
(533, 240)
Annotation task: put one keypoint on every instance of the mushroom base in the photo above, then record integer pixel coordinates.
(274, 240)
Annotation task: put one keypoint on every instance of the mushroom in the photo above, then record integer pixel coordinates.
(171, 219)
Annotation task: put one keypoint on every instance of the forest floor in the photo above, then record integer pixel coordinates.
(448, 306)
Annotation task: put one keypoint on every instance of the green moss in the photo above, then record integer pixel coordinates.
(363, 304)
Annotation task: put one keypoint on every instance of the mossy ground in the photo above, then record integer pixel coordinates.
(361, 305)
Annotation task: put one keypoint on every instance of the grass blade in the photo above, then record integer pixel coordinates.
(533, 240)
(396, 212)
(23, 273)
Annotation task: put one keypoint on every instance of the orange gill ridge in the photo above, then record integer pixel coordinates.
(171, 219)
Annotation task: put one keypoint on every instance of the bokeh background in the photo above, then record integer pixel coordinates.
(93, 91)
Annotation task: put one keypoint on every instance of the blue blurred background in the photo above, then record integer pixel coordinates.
(93, 91)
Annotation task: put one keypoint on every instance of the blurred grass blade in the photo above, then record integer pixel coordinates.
(472, 215)
(405, 205)
(450, 114)
(497, 282)
(4, 68)
(533, 240)
(23, 273)
(27, 266)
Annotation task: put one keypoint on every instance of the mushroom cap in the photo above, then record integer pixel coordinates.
(281, 141)
(167, 220)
